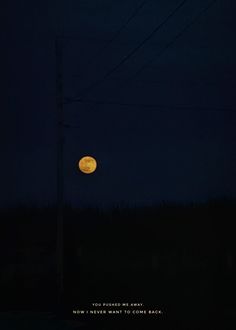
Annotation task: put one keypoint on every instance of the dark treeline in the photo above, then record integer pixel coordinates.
(166, 255)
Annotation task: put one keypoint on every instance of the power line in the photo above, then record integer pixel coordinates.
(118, 32)
(172, 82)
(157, 107)
(134, 51)
(179, 35)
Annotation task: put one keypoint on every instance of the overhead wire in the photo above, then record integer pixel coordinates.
(157, 107)
(117, 33)
(160, 107)
(178, 36)
(132, 52)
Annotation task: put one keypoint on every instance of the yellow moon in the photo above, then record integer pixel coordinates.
(87, 164)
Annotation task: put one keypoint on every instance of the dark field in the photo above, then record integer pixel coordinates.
(177, 258)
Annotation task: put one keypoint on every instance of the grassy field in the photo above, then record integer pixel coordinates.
(180, 258)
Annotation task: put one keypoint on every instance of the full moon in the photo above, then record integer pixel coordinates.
(87, 164)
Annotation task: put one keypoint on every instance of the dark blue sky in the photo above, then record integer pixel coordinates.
(144, 154)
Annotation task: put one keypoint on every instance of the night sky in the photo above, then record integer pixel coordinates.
(166, 132)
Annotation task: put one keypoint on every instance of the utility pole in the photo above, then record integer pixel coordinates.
(60, 168)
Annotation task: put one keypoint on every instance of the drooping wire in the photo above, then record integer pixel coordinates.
(178, 36)
(156, 107)
(131, 53)
(117, 33)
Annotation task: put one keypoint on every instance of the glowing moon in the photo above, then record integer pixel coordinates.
(87, 164)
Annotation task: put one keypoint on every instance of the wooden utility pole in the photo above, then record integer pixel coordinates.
(60, 167)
